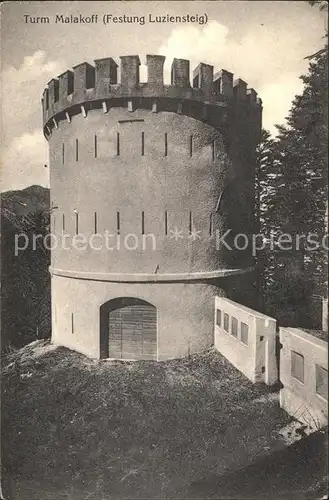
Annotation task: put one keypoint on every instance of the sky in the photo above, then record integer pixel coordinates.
(262, 42)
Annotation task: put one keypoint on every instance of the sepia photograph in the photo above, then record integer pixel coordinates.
(164, 250)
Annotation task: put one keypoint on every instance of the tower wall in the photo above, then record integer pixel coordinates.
(144, 180)
(184, 313)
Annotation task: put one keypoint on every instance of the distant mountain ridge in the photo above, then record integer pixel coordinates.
(23, 201)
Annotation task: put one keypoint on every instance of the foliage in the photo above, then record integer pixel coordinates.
(291, 173)
(25, 277)
(323, 5)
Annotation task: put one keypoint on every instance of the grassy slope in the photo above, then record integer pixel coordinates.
(79, 429)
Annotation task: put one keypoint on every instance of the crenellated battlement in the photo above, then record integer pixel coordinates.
(208, 97)
(150, 183)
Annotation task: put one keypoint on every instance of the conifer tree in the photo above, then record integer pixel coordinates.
(292, 174)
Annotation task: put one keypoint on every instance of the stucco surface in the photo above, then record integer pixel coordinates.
(184, 314)
(255, 358)
(177, 187)
(300, 399)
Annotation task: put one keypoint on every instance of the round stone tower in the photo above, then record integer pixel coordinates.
(150, 184)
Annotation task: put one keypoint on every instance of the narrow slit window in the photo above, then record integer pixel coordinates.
(118, 144)
(63, 153)
(219, 317)
(118, 222)
(191, 145)
(72, 323)
(76, 150)
(63, 223)
(321, 377)
(219, 202)
(95, 222)
(226, 322)
(297, 366)
(76, 223)
(166, 223)
(210, 225)
(213, 151)
(234, 326)
(143, 143)
(190, 228)
(166, 144)
(54, 222)
(244, 333)
(143, 223)
(95, 145)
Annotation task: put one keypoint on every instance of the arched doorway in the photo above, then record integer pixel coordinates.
(128, 329)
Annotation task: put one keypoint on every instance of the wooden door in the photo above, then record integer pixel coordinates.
(133, 331)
